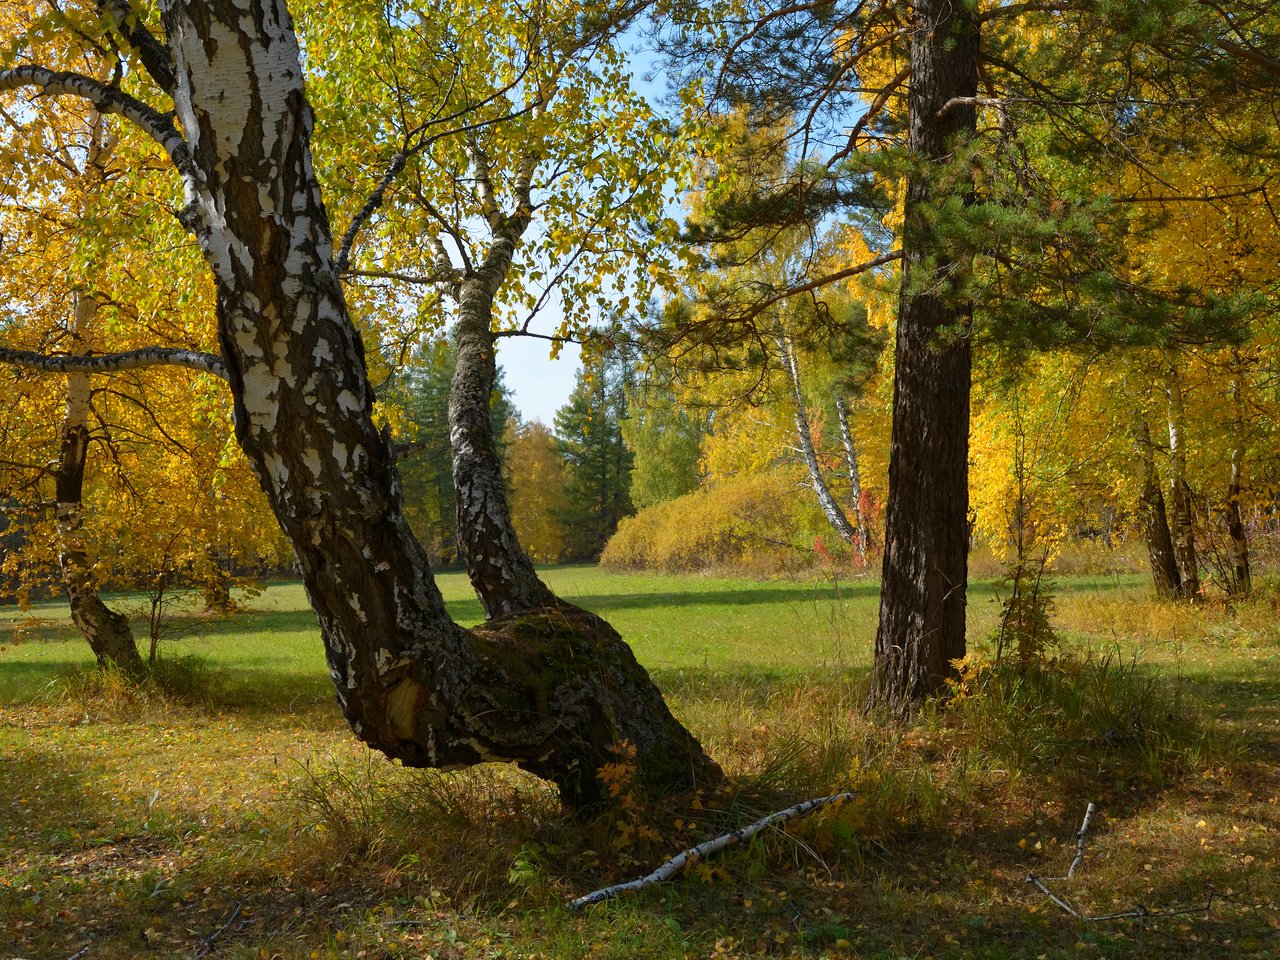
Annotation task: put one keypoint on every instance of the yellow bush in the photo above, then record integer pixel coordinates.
(759, 523)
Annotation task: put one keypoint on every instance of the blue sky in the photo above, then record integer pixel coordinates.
(539, 385)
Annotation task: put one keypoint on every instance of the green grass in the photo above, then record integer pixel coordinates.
(242, 819)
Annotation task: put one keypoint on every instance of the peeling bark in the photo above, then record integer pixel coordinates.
(553, 690)
(107, 632)
(922, 599)
(804, 436)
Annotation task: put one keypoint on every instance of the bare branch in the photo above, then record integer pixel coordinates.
(117, 362)
(153, 54)
(159, 126)
(419, 279)
(760, 306)
(1268, 63)
(370, 207)
(1018, 9)
(1084, 831)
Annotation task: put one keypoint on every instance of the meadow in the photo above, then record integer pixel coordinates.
(225, 810)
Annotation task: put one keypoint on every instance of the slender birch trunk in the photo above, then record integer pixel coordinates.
(501, 572)
(1241, 584)
(804, 436)
(855, 480)
(1153, 517)
(107, 632)
(1183, 526)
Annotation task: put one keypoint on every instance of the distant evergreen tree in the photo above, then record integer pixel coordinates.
(426, 473)
(664, 437)
(599, 465)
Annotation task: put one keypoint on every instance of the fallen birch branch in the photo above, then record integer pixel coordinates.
(688, 858)
(1084, 830)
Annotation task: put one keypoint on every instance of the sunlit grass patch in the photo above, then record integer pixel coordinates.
(241, 816)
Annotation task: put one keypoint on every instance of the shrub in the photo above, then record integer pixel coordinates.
(761, 523)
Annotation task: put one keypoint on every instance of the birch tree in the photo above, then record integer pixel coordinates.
(553, 692)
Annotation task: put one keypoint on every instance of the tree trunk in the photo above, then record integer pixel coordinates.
(215, 582)
(501, 572)
(107, 631)
(1241, 584)
(555, 691)
(855, 480)
(1183, 527)
(1155, 521)
(804, 436)
(922, 599)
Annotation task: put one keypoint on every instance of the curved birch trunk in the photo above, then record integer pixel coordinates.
(804, 436)
(922, 599)
(107, 632)
(501, 572)
(554, 691)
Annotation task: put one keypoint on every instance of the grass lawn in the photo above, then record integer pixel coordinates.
(244, 820)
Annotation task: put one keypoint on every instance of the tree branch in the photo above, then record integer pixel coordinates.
(117, 362)
(760, 306)
(1018, 9)
(691, 856)
(370, 207)
(159, 126)
(153, 54)
(1268, 63)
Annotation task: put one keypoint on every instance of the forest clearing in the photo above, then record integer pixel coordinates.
(894, 575)
(236, 817)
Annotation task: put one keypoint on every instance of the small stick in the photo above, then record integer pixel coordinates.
(691, 856)
(81, 952)
(1084, 830)
(208, 944)
(1039, 884)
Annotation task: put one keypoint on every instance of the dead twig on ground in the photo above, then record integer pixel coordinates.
(207, 945)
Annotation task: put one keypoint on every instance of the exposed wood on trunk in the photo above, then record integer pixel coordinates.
(1154, 519)
(922, 600)
(804, 436)
(1183, 523)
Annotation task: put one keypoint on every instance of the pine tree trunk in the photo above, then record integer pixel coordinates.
(501, 572)
(106, 631)
(804, 436)
(1183, 526)
(922, 599)
(555, 691)
(855, 480)
(1154, 519)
